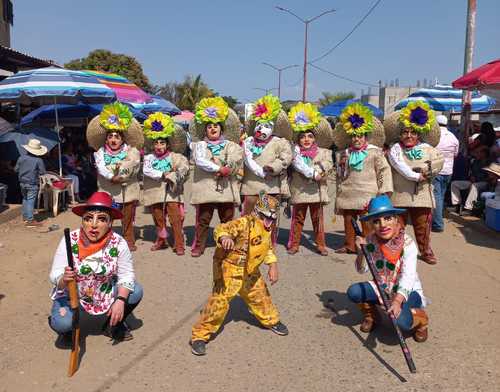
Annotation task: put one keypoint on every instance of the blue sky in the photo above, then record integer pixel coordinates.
(226, 41)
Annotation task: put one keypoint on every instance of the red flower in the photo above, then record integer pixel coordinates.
(260, 109)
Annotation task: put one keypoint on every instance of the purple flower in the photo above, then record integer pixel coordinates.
(356, 121)
(301, 118)
(419, 116)
(157, 126)
(211, 112)
(113, 119)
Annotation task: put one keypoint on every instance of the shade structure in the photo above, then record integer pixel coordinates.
(486, 76)
(158, 104)
(68, 115)
(184, 118)
(11, 142)
(335, 109)
(444, 98)
(48, 85)
(126, 91)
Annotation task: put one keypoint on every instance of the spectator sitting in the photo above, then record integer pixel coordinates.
(72, 170)
(493, 181)
(477, 181)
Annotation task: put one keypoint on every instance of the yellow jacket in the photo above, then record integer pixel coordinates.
(252, 243)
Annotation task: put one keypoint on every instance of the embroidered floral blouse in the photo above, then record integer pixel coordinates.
(97, 275)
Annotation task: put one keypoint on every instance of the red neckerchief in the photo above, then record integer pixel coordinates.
(310, 152)
(162, 156)
(407, 147)
(109, 151)
(260, 143)
(362, 148)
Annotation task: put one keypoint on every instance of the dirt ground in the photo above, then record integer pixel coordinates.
(324, 352)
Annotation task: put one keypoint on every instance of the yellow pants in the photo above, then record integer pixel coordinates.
(230, 280)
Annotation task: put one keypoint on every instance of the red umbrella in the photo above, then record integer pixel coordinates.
(486, 76)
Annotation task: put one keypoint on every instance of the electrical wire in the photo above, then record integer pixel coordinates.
(343, 77)
(348, 34)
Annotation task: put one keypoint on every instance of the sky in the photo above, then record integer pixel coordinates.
(227, 41)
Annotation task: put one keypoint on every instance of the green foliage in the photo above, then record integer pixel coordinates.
(186, 94)
(230, 100)
(107, 61)
(329, 98)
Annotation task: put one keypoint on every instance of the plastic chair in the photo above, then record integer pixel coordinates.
(47, 187)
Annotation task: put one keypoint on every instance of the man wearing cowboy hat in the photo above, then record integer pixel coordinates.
(493, 190)
(29, 167)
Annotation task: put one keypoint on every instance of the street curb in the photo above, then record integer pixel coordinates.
(473, 222)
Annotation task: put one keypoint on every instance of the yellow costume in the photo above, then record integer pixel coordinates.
(237, 272)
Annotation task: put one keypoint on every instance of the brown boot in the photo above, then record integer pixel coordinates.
(369, 317)
(420, 325)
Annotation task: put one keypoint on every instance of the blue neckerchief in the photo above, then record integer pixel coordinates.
(414, 153)
(216, 149)
(307, 160)
(163, 165)
(257, 150)
(357, 159)
(112, 159)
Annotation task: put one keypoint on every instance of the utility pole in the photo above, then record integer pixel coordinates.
(279, 74)
(306, 23)
(266, 90)
(470, 33)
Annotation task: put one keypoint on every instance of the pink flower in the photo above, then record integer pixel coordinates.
(260, 109)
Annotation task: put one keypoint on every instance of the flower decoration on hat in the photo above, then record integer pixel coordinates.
(116, 117)
(266, 109)
(211, 110)
(158, 126)
(418, 116)
(357, 119)
(304, 117)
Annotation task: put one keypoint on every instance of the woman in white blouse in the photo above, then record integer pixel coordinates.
(103, 270)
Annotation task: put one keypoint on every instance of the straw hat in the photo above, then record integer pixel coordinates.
(281, 127)
(493, 168)
(231, 128)
(267, 109)
(115, 117)
(35, 147)
(161, 126)
(323, 134)
(305, 117)
(418, 116)
(358, 119)
(177, 141)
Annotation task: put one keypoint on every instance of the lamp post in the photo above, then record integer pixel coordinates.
(279, 74)
(306, 23)
(266, 90)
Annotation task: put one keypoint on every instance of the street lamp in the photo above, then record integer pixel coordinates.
(266, 90)
(279, 74)
(306, 23)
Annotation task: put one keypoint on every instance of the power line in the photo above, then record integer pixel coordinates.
(343, 77)
(348, 34)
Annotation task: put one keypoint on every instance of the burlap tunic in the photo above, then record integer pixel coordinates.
(128, 169)
(204, 182)
(276, 154)
(356, 188)
(308, 190)
(408, 193)
(155, 186)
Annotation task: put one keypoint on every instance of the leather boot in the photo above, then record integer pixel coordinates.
(158, 219)
(176, 221)
(421, 220)
(316, 210)
(297, 223)
(128, 225)
(420, 325)
(368, 311)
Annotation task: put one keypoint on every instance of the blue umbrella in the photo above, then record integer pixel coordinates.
(335, 109)
(11, 142)
(68, 115)
(447, 99)
(158, 104)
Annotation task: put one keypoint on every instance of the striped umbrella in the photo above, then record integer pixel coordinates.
(158, 104)
(126, 91)
(444, 98)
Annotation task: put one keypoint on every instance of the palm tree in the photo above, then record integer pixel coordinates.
(329, 98)
(191, 91)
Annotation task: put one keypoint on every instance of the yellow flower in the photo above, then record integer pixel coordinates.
(304, 117)
(116, 117)
(158, 126)
(211, 110)
(357, 119)
(418, 116)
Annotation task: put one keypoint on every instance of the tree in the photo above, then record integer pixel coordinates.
(186, 94)
(231, 101)
(107, 61)
(329, 98)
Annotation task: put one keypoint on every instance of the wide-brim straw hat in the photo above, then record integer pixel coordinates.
(96, 134)
(177, 141)
(231, 129)
(35, 147)
(394, 127)
(323, 134)
(377, 136)
(282, 127)
(493, 168)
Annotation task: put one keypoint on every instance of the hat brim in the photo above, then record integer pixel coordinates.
(377, 136)
(177, 141)
(492, 171)
(38, 152)
(231, 128)
(282, 127)
(80, 209)
(96, 134)
(393, 128)
(382, 212)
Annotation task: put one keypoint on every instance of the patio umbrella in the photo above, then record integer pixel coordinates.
(5, 126)
(335, 109)
(125, 90)
(184, 118)
(11, 142)
(485, 76)
(158, 104)
(54, 86)
(445, 98)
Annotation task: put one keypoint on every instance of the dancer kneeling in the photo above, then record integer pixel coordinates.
(395, 255)
(103, 271)
(242, 246)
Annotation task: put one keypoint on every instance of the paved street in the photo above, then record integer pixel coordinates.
(324, 352)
